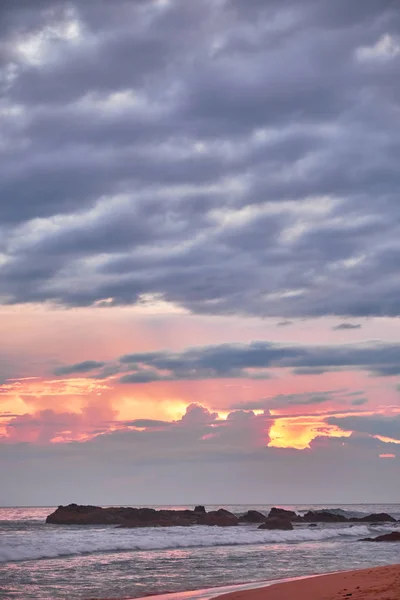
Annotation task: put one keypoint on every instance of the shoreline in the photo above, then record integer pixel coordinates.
(375, 583)
(361, 584)
(221, 591)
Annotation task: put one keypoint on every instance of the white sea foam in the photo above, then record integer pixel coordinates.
(53, 542)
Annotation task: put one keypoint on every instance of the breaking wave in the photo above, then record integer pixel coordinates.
(55, 543)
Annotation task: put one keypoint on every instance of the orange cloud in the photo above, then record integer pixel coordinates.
(87, 406)
(387, 440)
(299, 432)
(75, 408)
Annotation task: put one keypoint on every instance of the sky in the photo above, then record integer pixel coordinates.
(199, 251)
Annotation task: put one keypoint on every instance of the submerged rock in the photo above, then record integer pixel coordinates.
(375, 518)
(394, 536)
(75, 514)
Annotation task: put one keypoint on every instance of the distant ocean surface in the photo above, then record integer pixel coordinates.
(48, 562)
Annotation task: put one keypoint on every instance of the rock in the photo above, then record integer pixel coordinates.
(375, 518)
(75, 514)
(325, 516)
(394, 536)
(221, 518)
(313, 525)
(252, 516)
(322, 517)
(200, 509)
(282, 513)
(277, 523)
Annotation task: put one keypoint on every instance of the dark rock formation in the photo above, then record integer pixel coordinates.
(322, 517)
(252, 516)
(325, 516)
(278, 518)
(375, 518)
(283, 513)
(220, 517)
(277, 523)
(387, 537)
(75, 514)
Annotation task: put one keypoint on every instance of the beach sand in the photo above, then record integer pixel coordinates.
(381, 583)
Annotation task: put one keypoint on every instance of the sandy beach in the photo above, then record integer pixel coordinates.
(381, 583)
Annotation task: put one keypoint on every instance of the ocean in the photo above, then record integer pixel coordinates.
(49, 562)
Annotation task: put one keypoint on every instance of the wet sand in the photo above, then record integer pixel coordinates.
(381, 583)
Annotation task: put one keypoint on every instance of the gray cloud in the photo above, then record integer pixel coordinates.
(141, 465)
(252, 361)
(287, 400)
(228, 157)
(147, 423)
(82, 367)
(387, 370)
(282, 401)
(359, 401)
(374, 425)
(347, 326)
(228, 360)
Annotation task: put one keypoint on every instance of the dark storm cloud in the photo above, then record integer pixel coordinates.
(83, 367)
(253, 361)
(229, 157)
(388, 427)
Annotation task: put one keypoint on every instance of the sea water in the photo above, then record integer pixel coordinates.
(49, 562)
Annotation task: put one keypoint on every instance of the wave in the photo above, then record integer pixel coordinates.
(53, 544)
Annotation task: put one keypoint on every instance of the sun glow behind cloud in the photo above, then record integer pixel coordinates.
(299, 432)
(79, 408)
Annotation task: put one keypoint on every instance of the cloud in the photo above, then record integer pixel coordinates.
(252, 361)
(376, 425)
(201, 155)
(83, 367)
(346, 327)
(387, 370)
(198, 415)
(147, 423)
(287, 400)
(48, 426)
(142, 464)
(359, 401)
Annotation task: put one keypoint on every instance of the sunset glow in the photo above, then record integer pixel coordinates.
(299, 432)
(199, 251)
